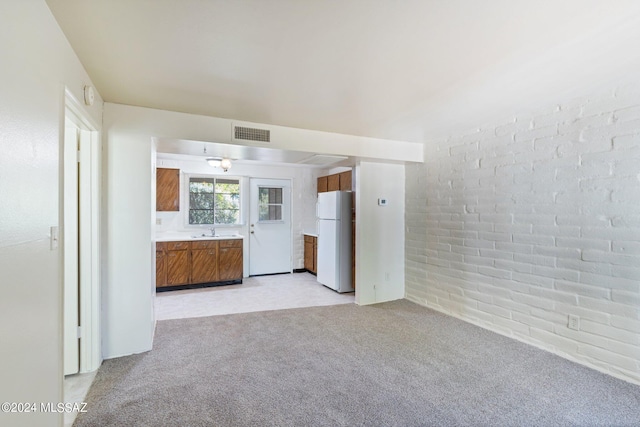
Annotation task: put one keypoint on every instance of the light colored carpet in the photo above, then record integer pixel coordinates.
(391, 364)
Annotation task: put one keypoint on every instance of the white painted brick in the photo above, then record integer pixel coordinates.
(626, 324)
(494, 272)
(556, 273)
(625, 247)
(513, 266)
(533, 301)
(532, 321)
(537, 213)
(581, 289)
(609, 357)
(625, 272)
(533, 239)
(531, 279)
(610, 257)
(585, 266)
(569, 242)
(557, 342)
(608, 281)
(626, 142)
(553, 295)
(514, 247)
(494, 309)
(606, 306)
(541, 132)
(611, 332)
(627, 298)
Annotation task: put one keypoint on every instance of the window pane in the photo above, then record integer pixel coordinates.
(214, 201)
(227, 216)
(198, 216)
(201, 201)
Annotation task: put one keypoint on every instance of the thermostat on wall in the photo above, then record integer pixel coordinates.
(382, 202)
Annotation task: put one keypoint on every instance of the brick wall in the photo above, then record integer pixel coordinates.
(518, 225)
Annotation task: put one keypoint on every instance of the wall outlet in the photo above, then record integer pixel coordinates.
(158, 221)
(574, 322)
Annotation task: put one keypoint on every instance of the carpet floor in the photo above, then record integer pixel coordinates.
(390, 364)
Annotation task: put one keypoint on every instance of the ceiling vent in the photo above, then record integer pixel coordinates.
(251, 134)
(322, 160)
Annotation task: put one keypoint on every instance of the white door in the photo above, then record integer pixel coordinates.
(71, 249)
(270, 226)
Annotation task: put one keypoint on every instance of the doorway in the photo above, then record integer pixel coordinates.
(269, 226)
(80, 154)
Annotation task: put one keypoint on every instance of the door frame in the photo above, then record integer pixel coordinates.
(89, 195)
(250, 210)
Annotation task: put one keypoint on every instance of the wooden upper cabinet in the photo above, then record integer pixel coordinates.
(333, 182)
(167, 189)
(322, 184)
(345, 181)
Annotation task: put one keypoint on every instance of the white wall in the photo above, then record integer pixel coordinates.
(520, 223)
(37, 63)
(303, 199)
(379, 232)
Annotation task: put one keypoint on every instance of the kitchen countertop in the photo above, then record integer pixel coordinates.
(195, 237)
(310, 234)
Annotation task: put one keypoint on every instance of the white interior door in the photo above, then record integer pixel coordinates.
(71, 249)
(269, 226)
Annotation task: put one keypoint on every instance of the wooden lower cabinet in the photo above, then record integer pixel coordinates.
(204, 261)
(198, 262)
(161, 265)
(178, 268)
(310, 253)
(230, 260)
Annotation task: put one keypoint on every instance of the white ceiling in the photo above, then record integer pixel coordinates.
(396, 69)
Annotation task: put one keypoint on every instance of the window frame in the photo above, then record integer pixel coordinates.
(187, 200)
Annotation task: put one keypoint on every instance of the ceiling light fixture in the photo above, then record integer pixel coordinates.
(219, 162)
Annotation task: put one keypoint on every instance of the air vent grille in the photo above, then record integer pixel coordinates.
(252, 134)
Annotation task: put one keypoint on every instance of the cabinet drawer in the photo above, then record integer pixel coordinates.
(308, 239)
(177, 246)
(160, 246)
(235, 243)
(204, 244)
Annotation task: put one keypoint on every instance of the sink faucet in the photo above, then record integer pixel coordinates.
(213, 231)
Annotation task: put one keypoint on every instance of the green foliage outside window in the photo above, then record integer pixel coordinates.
(214, 201)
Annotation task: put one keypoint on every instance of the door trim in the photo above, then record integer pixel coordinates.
(89, 195)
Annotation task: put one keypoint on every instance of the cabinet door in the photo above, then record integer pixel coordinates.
(308, 253)
(333, 182)
(167, 189)
(345, 181)
(230, 260)
(177, 266)
(204, 264)
(161, 266)
(322, 184)
(315, 255)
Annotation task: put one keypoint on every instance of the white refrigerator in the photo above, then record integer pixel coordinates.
(334, 240)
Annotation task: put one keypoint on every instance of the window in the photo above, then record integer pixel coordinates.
(270, 204)
(214, 201)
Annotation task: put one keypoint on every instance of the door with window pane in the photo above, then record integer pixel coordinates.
(270, 226)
